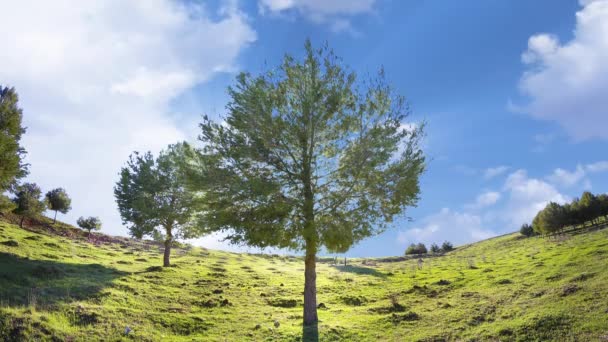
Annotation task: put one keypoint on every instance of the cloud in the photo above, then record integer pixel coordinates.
(601, 166)
(96, 80)
(456, 227)
(336, 13)
(567, 82)
(484, 200)
(526, 197)
(566, 178)
(492, 172)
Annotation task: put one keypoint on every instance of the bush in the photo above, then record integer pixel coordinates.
(447, 246)
(419, 248)
(526, 230)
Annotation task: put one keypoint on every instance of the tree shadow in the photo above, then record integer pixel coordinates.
(46, 282)
(360, 270)
(310, 333)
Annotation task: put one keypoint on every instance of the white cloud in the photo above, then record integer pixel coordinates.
(484, 200)
(492, 172)
(335, 12)
(566, 178)
(526, 197)
(601, 166)
(567, 82)
(96, 80)
(456, 227)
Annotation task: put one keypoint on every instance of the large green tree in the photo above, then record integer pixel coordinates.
(12, 167)
(152, 198)
(308, 157)
(58, 201)
(28, 202)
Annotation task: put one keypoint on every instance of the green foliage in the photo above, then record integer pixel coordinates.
(6, 204)
(89, 223)
(526, 230)
(556, 217)
(58, 201)
(447, 246)
(419, 248)
(151, 195)
(12, 167)
(27, 200)
(308, 157)
(435, 248)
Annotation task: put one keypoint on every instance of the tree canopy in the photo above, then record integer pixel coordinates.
(308, 157)
(58, 201)
(589, 208)
(89, 223)
(152, 198)
(28, 202)
(416, 248)
(12, 167)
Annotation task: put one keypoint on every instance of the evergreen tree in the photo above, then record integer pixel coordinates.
(12, 167)
(308, 158)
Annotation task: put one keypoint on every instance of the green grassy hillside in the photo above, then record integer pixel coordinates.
(64, 288)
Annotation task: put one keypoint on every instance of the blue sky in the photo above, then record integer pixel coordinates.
(513, 93)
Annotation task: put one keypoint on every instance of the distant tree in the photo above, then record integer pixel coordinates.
(590, 207)
(151, 196)
(28, 202)
(58, 201)
(413, 249)
(308, 157)
(12, 167)
(526, 230)
(6, 204)
(89, 223)
(603, 204)
(447, 246)
(435, 248)
(551, 219)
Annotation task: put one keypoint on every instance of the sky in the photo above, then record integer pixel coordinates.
(514, 94)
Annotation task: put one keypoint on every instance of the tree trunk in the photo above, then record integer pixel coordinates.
(21, 222)
(168, 242)
(310, 286)
(55, 218)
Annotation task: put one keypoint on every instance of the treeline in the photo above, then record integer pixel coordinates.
(589, 209)
(420, 248)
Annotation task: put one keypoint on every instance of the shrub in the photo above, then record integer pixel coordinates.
(447, 246)
(527, 230)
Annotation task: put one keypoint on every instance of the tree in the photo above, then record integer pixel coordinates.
(307, 158)
(151, 196)
(415, 249)
(12, 167)
(550, 219)
(526, 230)
(89, 223)
(435, 249)
(28, 202)
(58, 200)
(447, 246)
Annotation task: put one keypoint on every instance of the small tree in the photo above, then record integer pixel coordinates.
(12, 167)
(151, 196)
(307, 158)
(526, 230)
(435, 248)
(58, 200)
(89, 223)
(413, 249)
(28, 202)
(447, 246)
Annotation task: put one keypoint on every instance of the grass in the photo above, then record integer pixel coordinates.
(63, 288)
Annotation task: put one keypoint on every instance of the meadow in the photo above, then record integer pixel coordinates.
(61, 285)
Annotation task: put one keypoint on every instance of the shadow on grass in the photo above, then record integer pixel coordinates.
(310, 333)
(360, 270)
(46, 282)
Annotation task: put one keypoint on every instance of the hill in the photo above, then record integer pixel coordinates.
(56, 284)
